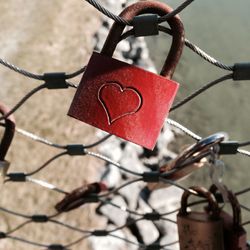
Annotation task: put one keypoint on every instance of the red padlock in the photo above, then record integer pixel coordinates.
(125, 100)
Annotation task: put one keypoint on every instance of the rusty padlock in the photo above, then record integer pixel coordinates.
(6, 139)
(125, 100)
(200, 230)
(235, 236)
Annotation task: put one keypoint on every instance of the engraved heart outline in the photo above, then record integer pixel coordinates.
(122, 89)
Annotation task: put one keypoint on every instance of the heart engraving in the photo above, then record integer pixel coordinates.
(118, 101)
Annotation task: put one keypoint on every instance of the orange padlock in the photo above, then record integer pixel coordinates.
(200, 230)
(235, 236)
(125, 100)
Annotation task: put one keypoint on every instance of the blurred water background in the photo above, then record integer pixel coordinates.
(222, 29)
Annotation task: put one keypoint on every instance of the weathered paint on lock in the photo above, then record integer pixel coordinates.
(125, 100)
(235, 236)
(200, 230)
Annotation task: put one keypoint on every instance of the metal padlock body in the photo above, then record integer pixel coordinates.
(235, 236)
(197, 230)
(6, 139)
(123, 99)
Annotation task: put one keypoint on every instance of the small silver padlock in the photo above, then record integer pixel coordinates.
(200, 230)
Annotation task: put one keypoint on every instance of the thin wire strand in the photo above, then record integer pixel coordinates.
(37, 76)
(52, 144)
(173, 183)
(175, 11)
(78, 241)
(39, 139)
(125, 225)
(119, 188)
(245, 208)
(243, 191)
(98, 142)
(69, 226)
(118, 165)
(122, 208)
(245, 223)
(207, 57)
(171, 243)
(191, 46)
(20, 71)
(201, 90)
(183, 129)
(169, 220)
(243, 152)
(243, 144)
(118, 19)
(46, 163)
(108, 13)
(27, 241)
(46, 185)
(126, 240)
(19, 227)
(76, 73)
(14, 213)
(23, 100)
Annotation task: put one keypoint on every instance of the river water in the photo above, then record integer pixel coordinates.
(222, 29)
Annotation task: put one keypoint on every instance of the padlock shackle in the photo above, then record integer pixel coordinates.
(150, 7)
(8, 133)
(203, 193)
(237, 217)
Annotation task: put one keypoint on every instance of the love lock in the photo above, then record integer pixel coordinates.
(235, 236)
(125, 100)
(200, 230)
(6, 139)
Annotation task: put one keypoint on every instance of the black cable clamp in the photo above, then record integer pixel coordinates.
(17, 177)
(56, 80)
(100, 233)
(40, 218)
(153, 247)
(75, 149)
(2, 235)
(241, 71)
(145, 25)
(152, 216)
(92, 198)
(153, 176)
(228, 148)
(56, 247)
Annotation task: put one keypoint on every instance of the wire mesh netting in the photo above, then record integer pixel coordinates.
(31, 214)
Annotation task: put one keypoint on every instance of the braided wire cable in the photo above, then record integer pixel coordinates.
(46, 163)
(115, 191)
(201, 90)
(200, 52)
(107, 13)
(175, 11)
(27, 241)
(183, 129)
(23, 100)
(204, 55)
(118, 19)
(207, 57)
(20, 71)
(37, 76)
(39, 139)
(244, 152)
